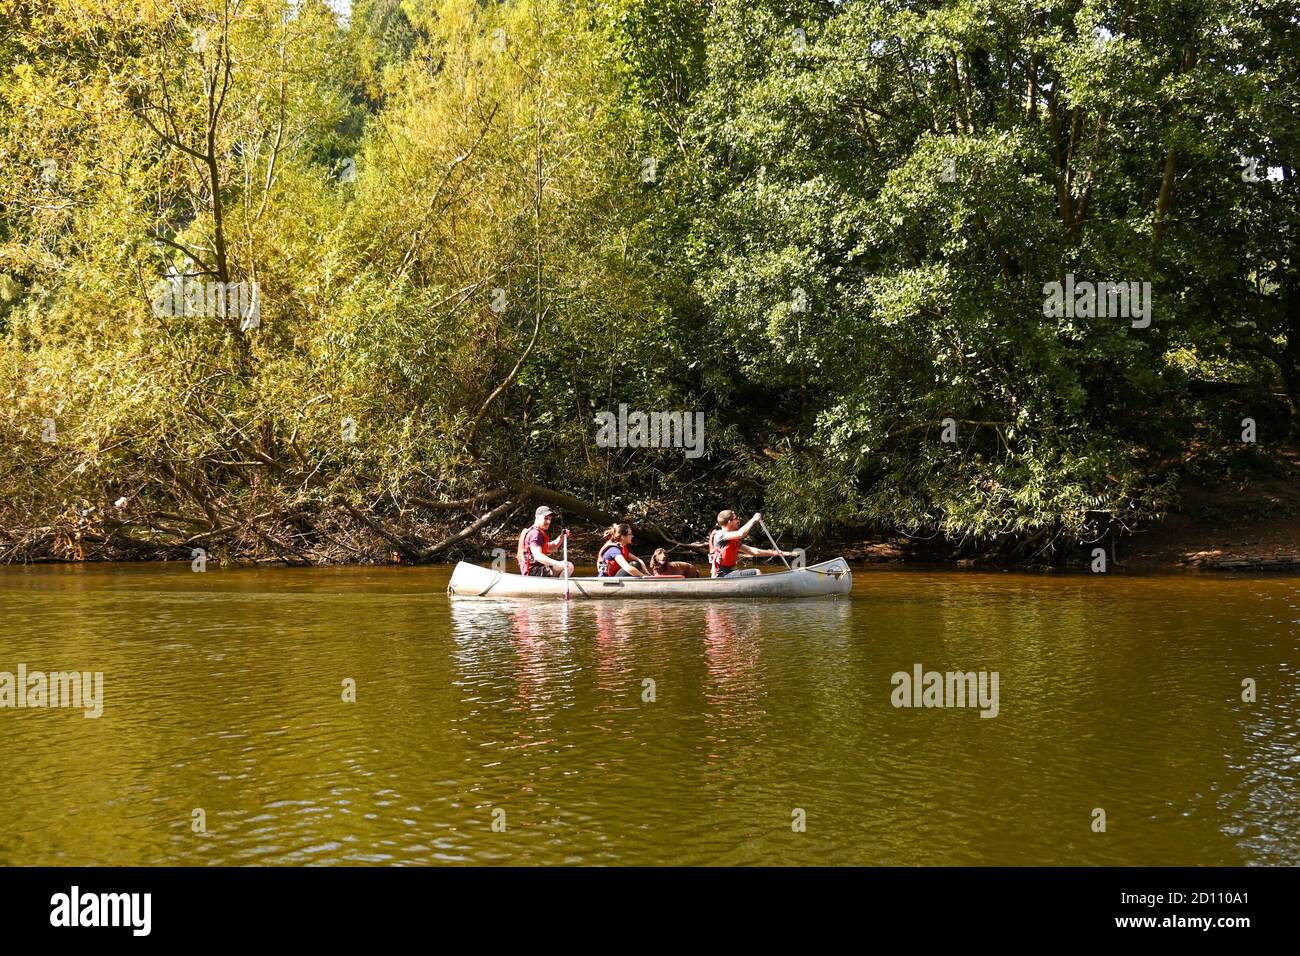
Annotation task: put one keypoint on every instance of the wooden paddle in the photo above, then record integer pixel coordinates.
(779, 552)
(565, 541)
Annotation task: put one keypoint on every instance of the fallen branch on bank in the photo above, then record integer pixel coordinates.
(298, 530)
(464, 504)
(501, 512)
(522, 493)
(408, 551)
(570, 505)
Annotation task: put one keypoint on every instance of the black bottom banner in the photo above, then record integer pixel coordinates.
(334, 906)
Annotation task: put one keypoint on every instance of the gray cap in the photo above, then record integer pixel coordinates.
(542, 512)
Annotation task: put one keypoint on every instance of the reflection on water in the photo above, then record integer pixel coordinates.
(646, 732)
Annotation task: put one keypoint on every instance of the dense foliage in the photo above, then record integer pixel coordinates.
(473, 226)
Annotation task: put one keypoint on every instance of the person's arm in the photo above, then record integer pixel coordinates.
(765, 552)
(628, 566)
(540, 556)
(558, 541)
(740, 532)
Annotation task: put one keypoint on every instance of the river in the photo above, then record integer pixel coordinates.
(648, 733)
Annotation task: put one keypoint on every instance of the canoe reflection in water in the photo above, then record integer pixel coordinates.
(551, 651)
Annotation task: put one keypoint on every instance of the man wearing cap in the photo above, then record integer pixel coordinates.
(534, 543)
(726, 544)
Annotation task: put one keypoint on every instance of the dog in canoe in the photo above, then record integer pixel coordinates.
(659, 564)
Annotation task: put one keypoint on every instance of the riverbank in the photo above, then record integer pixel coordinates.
(1246, 525)
(1239, 510)
(1247, 520)
(1234, 514)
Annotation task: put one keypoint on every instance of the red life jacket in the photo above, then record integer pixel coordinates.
(606, 568)
(723, 555)
(524, 555)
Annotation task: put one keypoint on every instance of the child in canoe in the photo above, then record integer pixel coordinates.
(614, 559)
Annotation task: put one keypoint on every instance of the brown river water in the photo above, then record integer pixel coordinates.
(648, 733)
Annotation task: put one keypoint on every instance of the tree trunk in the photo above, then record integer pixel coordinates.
(1291, 353)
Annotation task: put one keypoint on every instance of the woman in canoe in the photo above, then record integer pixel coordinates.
(614, 558)
(726, 544)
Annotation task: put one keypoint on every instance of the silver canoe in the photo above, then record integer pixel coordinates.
(817, 580)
